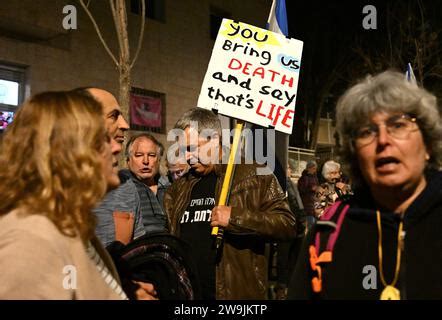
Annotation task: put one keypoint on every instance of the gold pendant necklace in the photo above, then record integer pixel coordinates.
(389, 292)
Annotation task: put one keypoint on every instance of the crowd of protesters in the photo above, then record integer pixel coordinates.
(66, 206)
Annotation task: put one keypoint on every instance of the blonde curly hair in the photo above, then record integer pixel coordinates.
(52, 163)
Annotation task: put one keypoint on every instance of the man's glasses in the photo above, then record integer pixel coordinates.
(398, 127)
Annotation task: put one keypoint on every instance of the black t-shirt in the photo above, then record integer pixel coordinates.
(196, 230)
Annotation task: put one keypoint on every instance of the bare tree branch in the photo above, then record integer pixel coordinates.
(97, 29)
(117, 27)
(140, 39)
(122, 15)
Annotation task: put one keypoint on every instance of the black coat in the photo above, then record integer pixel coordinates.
(357, 247)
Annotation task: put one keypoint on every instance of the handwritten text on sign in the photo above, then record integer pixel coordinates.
(253, 76)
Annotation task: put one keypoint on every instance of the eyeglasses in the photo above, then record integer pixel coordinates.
(398, 127)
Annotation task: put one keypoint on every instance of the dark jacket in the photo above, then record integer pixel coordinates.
(294, 207)
(306, 186)
(260, 214)
(357, 247)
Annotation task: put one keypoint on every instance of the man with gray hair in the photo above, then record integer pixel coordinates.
(256, 214)
(144, 152)
(140, 195)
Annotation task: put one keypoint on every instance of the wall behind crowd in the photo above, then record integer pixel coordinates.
(173, 60)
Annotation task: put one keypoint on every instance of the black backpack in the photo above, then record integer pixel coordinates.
(161, 259)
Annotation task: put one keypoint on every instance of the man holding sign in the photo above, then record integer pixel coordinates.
(257, 213)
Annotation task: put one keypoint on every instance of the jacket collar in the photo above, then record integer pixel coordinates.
(219, 169)
(364, 207)
(126, 174)
(427, 200)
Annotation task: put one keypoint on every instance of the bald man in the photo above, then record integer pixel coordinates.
(116, 220)
(115, 123)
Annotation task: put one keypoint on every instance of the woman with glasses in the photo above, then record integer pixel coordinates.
(385, 242)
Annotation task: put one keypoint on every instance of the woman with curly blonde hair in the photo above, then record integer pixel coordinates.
(56, 165)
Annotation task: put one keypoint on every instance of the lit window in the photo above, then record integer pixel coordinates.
(12, 91)
(9, 92)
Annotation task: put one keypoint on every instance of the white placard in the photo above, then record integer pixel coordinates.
(253, 76)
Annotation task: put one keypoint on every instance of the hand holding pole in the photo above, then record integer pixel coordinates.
(227, 183)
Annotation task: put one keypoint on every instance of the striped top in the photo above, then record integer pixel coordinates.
(104, 272)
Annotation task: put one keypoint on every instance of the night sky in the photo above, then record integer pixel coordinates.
(332, 31)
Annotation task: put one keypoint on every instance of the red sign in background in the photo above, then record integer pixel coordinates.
(145, 111)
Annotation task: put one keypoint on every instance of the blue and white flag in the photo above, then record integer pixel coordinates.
(409, 75)
(277, 21)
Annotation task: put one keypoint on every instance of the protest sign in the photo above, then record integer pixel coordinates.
(253, 76)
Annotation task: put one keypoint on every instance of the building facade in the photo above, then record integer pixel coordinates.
(37, 52)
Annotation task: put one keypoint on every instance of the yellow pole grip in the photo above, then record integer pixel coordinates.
(230, 164)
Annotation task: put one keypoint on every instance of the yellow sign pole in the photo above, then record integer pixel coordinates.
(228, 178)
